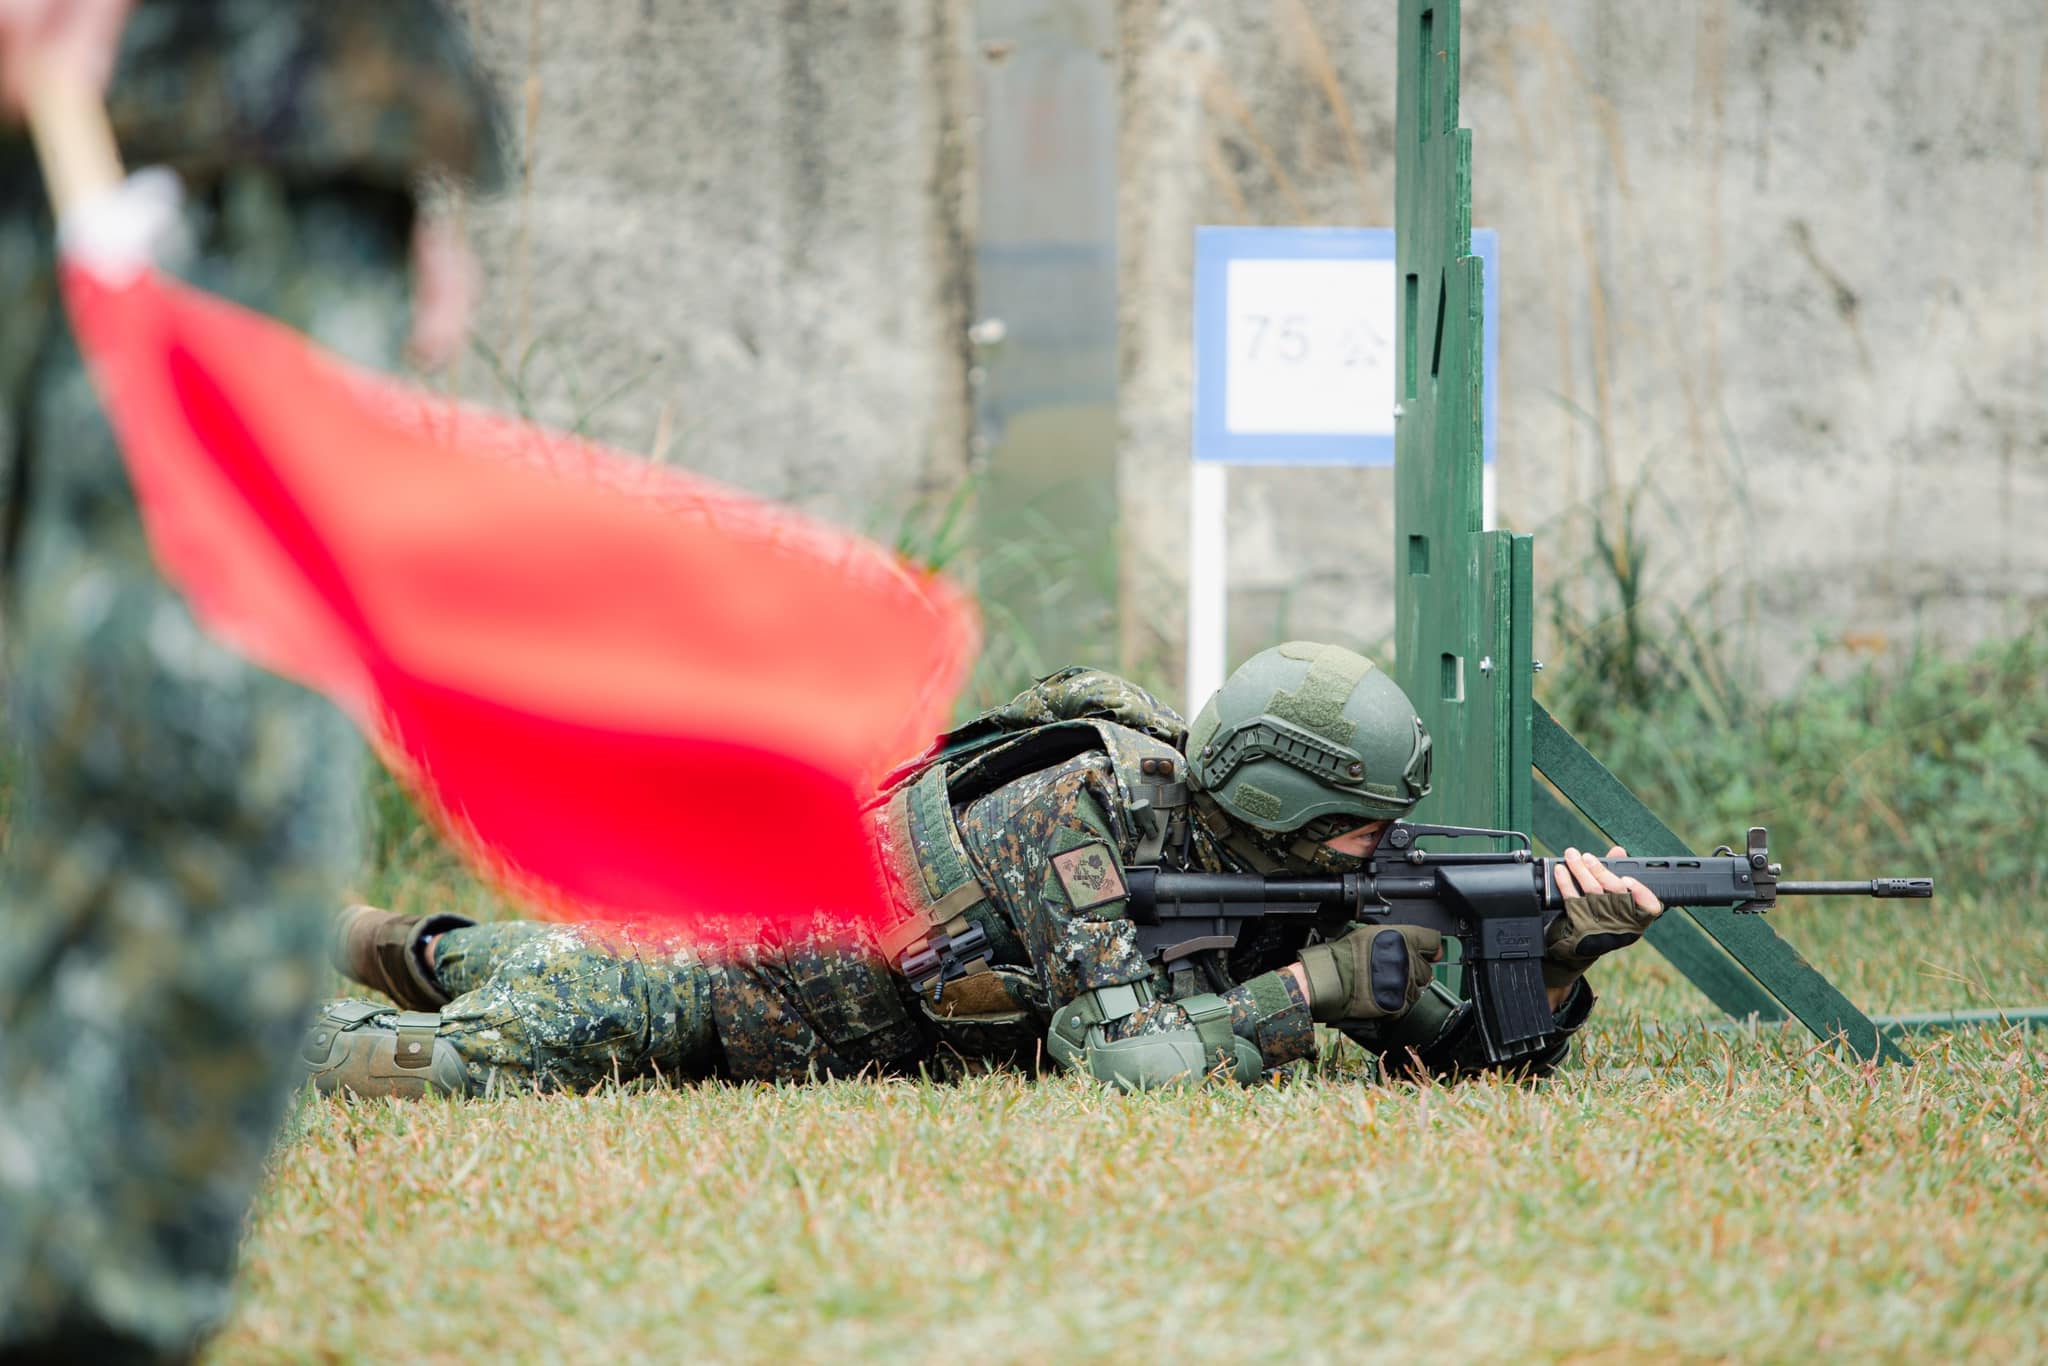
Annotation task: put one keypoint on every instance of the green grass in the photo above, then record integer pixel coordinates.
(1962, 951)
(1675, 1194)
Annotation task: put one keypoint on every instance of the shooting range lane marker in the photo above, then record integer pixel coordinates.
(1295, 364)
(1208, 593)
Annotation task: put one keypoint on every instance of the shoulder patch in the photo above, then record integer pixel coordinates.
(1089, 875)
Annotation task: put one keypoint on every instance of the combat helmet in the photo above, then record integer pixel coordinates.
(1306, 734)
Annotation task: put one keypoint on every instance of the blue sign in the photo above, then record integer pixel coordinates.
(1296, 355)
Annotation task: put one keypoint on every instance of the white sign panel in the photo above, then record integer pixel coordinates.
(1296, 353)
(1310, 347)
(1296, 363)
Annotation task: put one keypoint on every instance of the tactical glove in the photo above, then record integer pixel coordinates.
(1374, 972)
(1590, 928)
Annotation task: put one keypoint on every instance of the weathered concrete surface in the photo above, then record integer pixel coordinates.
(743, 239)
(1782, 266)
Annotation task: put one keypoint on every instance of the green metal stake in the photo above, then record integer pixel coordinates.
(1464, 604)
(1463, 598)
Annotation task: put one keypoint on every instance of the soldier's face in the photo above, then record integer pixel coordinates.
(1358, 843)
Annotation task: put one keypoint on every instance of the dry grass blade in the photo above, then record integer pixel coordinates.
(1683, 1193)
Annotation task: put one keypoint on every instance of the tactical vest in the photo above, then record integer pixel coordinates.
(953, 947)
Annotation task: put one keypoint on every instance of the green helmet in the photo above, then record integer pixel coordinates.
(1304, 731)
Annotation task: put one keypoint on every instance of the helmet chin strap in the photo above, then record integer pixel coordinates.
(1289, 851)
(1322, 858)
(1310, 845)
(1234, 837)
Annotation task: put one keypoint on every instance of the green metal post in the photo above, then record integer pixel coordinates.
(1464, 604)
(1462, 595)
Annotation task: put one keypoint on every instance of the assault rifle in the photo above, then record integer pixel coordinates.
(1497, 904)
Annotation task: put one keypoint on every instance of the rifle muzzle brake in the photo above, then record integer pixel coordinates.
(1919, 888)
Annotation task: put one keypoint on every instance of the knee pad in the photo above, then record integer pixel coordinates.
(371, 1050)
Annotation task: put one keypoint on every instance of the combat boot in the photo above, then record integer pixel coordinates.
(385, 951)
(372, 1050)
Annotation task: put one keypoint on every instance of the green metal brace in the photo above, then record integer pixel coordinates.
(1463, 598)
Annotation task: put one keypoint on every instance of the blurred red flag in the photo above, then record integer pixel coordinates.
(629, 692)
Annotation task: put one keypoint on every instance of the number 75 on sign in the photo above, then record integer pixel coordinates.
(1295, 349)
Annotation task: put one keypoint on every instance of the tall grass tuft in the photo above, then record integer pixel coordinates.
(1044, 597)
(1936, 761)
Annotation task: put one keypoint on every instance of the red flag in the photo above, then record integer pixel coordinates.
(630, 691)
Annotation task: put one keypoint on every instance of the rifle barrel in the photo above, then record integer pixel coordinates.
(1913, 887)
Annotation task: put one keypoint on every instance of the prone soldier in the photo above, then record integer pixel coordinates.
(1005, 849)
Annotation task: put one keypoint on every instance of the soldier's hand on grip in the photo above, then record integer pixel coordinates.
(1602, 913)
(1374, 972)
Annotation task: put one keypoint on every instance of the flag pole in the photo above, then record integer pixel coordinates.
(74, 140)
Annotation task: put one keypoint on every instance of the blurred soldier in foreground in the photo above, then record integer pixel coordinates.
(1005, 850)
(181, 820)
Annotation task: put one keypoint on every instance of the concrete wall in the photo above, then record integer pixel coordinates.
(1782, 265)
(742, 238)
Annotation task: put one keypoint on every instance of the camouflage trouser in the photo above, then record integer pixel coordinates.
(557, 1007)
(181, 821)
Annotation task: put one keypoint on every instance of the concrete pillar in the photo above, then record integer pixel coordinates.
(741, 241)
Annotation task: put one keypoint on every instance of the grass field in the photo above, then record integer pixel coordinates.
(1684, 1189)
(1680, 1191)
(1674, 1195)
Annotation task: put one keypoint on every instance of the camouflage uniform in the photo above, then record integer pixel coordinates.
(181, 820)
(1031, 861)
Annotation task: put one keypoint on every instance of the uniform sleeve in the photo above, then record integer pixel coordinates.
(1271, 1011)
(1050, 850)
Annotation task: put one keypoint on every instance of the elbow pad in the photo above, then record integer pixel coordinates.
(1146, 1062)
